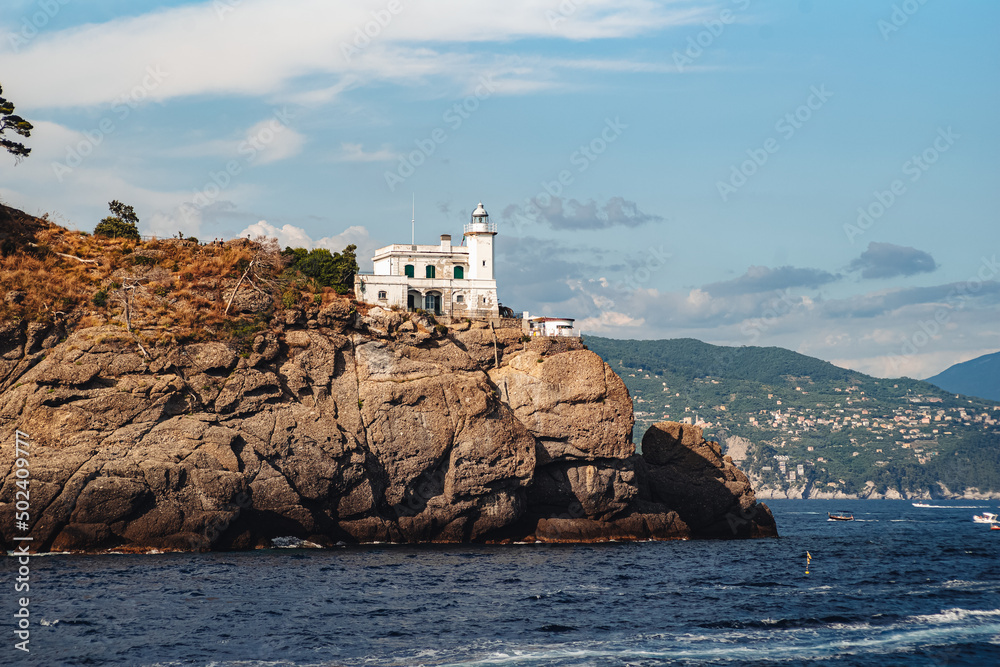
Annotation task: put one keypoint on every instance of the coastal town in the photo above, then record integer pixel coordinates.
(818, 433)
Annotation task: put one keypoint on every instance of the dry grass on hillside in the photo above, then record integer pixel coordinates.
(177, 290)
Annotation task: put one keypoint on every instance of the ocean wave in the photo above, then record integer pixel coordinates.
(765, 645)
(955, 615)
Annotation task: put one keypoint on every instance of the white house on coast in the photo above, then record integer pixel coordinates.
(449, 280)
(445, 279)
(549, 326)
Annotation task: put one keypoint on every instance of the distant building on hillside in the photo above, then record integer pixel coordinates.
(454, 281)
(550, 326)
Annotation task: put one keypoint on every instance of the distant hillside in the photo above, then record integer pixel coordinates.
(978, 377)
(693, 358)
(803, 427)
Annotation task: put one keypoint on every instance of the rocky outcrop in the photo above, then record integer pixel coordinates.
(690, 475)
(338, 426)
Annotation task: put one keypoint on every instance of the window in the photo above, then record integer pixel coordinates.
(484, 262)
(432, 302)
(408, 270)
(460, 299)
(382, 294)
(459, 273)
(430, 271)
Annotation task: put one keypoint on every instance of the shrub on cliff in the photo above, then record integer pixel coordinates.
(336, 270)
(123, 224)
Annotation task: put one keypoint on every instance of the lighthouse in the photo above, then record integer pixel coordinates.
(451, 281)
(479, 233)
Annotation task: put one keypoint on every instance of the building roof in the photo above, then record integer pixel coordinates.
(407, 249)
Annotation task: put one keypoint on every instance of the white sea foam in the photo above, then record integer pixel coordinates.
(771, 644)
(961, 583)
(954, 615)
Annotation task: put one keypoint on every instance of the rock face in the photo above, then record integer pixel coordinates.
(690, 475)
(338, 426)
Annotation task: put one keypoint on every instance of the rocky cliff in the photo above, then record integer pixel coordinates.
(342, 426)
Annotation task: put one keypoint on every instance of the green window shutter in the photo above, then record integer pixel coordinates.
(408, 270)
(430, 271)
(459, 273)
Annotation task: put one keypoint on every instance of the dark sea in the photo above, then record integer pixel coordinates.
(900, 585)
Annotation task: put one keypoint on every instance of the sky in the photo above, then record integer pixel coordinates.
(817, 175)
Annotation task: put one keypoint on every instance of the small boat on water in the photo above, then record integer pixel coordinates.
(995, 526)
(986, 517)
(843, 516)
(922, 505)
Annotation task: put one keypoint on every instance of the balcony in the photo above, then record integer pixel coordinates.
(481, 227)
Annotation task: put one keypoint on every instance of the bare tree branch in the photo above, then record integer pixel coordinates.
(261, 268)
(240, 282)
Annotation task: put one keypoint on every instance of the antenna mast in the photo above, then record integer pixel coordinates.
(413, 222)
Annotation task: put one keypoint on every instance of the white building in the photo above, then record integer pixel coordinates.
(550, 326)
(454, 281)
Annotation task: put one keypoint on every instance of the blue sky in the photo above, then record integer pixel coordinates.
(713, 156)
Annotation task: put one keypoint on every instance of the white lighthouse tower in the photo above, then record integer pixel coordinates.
(479, 233)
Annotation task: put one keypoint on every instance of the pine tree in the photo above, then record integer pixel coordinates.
(17, 125)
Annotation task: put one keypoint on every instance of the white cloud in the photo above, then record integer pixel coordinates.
(609, 321)
(356, 153)
(223, 54)
(296, 237)
(287, 235)
(277, 142)
(269, 140)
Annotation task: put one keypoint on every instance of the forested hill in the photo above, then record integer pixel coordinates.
(977, 377)
(814, 427)
(695, 359)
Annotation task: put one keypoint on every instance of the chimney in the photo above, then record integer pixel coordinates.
(446, 241)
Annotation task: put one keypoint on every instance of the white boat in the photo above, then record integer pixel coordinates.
(921, 505)
(986, 517)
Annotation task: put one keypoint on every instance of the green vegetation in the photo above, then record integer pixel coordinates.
(17, 125)
(123, 223)
(843, 427)
(336, 270)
